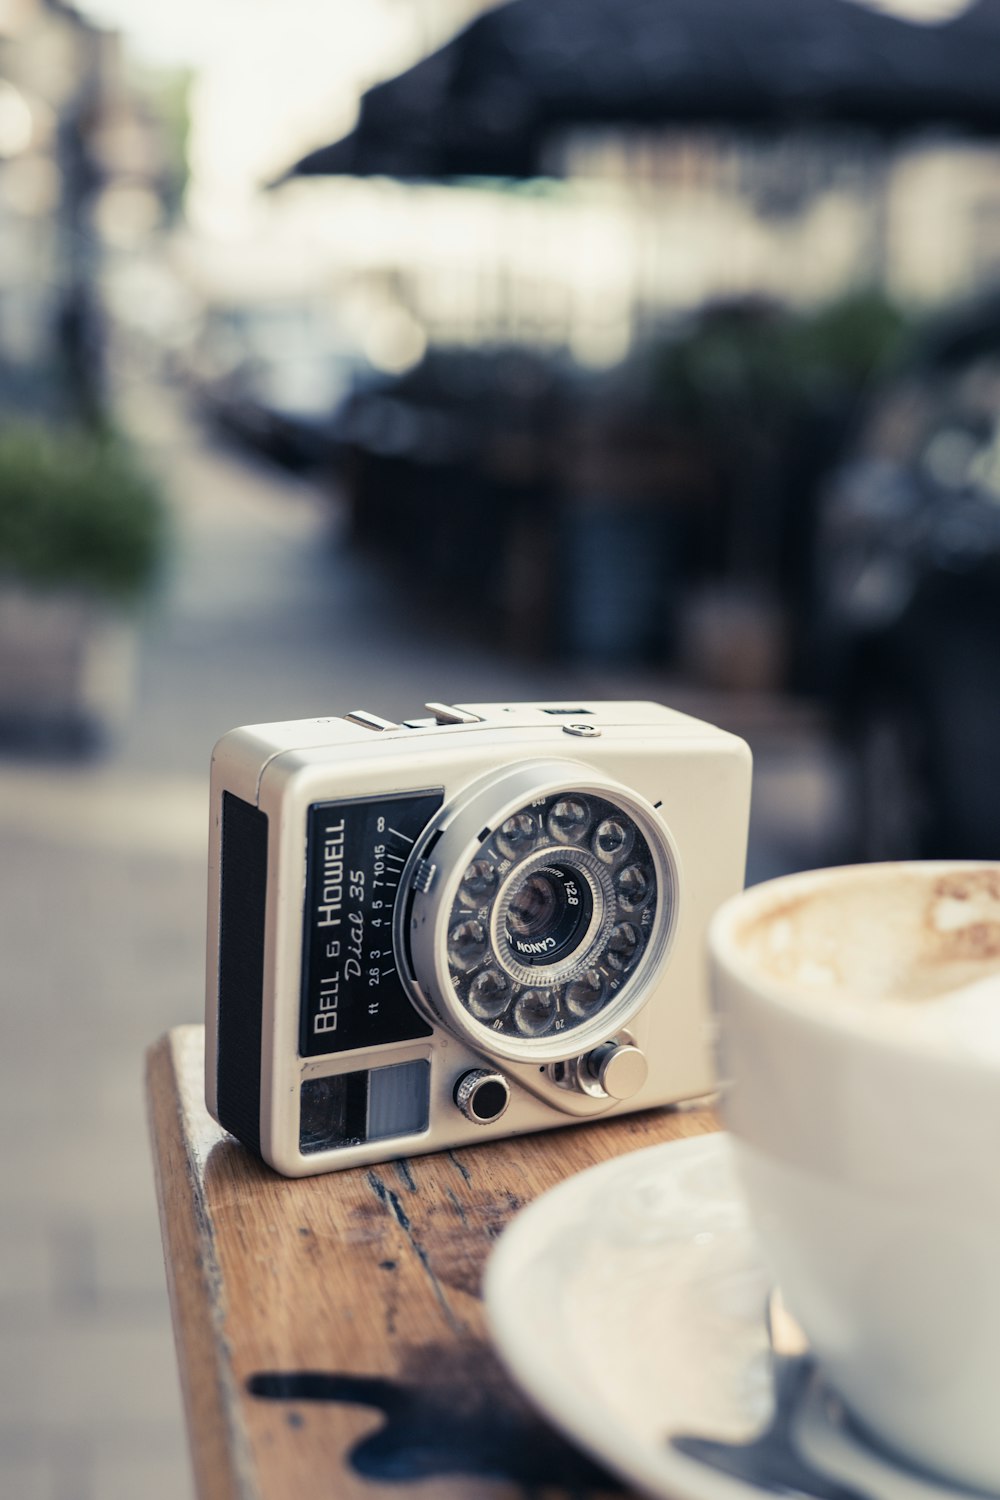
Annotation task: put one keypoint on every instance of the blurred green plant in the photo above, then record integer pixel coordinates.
(766, 397)
(764, 360)
(852, 339)
(77, 510)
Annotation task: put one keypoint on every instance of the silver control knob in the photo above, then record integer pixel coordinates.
(482, 1095)
(619, 1068)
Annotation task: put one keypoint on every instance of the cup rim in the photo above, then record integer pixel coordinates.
(853, 1017)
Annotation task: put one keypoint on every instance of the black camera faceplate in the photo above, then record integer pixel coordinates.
(352, 995)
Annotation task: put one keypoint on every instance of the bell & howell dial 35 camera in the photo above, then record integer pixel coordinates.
(479, 923)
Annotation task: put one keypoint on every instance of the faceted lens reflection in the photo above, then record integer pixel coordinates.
(478, 884)
(612, 840)
(585, 995)
(623, 946)
(467, 945)
(569, 820)
(518, 835)
(534, 1012)
(633, 887)
(489, 993)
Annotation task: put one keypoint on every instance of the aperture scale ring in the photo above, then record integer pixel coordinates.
(455, 838)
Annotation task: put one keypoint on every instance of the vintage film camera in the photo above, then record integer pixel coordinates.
(482, 923)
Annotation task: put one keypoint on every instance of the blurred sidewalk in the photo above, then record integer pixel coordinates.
(266, 616)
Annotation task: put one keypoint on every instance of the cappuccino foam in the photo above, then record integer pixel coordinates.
(893, 949)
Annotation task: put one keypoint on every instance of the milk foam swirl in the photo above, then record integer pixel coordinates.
(893, 951)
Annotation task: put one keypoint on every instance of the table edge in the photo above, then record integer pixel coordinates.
(218, 1443)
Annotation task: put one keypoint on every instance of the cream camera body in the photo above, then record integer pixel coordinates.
(482, 923)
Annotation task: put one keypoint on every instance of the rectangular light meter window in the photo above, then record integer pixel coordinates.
(376, 1104)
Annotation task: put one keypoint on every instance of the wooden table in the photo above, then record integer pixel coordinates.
(330, 1331)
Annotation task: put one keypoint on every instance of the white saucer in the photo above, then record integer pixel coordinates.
(629, 1304)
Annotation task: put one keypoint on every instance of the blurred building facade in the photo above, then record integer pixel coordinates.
(634, 230)
(80, 170)
(545, 357)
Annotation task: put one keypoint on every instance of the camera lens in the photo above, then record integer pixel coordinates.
(548, 914)
(535, 1011)
(534, 905)
(569, 820)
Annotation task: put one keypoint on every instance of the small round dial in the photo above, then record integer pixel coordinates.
(482, 1095)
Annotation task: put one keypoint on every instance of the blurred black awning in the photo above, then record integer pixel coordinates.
(487, 102)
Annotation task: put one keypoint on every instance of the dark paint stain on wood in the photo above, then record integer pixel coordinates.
(390, 1200)
(460, 1165)
(456, 1205)
(451, 1412)
(386, 1196)
(405, 1173)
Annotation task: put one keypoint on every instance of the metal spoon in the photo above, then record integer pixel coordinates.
(770, 1461)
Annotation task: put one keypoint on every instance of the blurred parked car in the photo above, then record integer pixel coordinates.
(908, 569)
(276, 378)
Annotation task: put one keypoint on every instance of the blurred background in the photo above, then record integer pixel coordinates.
(359, 352)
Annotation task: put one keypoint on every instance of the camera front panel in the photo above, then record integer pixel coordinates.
(352, 997)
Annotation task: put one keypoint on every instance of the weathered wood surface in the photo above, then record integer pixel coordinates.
(330, 1331)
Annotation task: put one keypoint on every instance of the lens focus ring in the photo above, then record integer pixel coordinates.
(572, 884)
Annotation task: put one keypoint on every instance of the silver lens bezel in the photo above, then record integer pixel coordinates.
(597, 876)
(456, 835)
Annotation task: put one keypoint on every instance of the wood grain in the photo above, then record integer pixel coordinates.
(330, 1331)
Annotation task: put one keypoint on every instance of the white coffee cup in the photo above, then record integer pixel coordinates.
(859, 1015)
